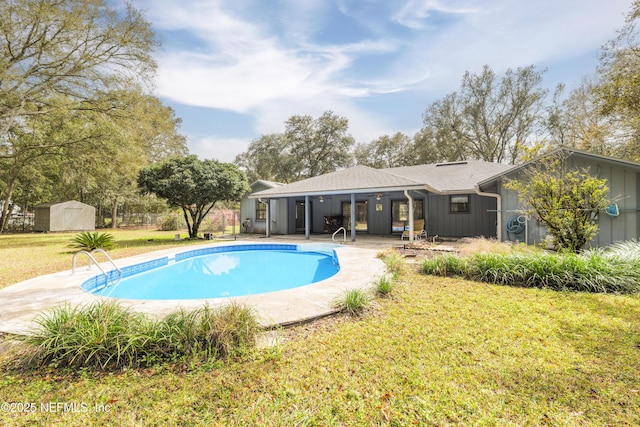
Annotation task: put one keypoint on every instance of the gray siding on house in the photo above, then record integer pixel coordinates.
(624, 189)
(277, 212)
(481, 219)
(379, 222)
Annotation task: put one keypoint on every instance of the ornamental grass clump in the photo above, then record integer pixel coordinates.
(100, 335)
(106, 335)
(394, 262)
(353, 301)
(446, 265)
(383, 286)
(606, 271)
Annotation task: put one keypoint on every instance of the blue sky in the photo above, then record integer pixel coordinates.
(236, 69)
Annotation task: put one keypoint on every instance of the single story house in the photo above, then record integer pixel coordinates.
(65, 216)
(455, 200)
(253, 211)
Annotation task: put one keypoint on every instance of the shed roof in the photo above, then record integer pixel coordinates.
(68, 202)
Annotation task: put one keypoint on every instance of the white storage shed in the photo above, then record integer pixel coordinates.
(65, 216)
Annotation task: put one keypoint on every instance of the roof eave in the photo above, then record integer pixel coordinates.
(271, 195)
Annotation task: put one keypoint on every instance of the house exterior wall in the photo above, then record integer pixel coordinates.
(624, 189)
(481, 220)
(277, 213)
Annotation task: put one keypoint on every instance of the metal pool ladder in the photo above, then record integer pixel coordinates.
(344, 235)
(93, 260)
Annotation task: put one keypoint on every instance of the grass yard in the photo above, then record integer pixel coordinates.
(440, 351)
(23, 256)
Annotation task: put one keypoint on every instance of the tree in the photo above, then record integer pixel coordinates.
(488, 120)
(566, 201)
(64, 59)
(193, 185)
(305, 149)
(620, 69)
(268, 157)
(386, 152)
(578, 122)
(320, 146)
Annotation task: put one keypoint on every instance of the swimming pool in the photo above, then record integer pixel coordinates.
(216, 272)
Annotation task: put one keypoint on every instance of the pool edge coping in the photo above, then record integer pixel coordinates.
(20, 303)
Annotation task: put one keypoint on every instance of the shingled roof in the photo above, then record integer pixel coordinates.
(441, 178)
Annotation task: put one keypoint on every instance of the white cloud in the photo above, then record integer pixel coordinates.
(266, 61)
(219, 147)
(416, 13)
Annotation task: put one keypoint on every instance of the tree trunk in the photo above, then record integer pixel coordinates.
(114, 213)
(186, 220)
(4, 217)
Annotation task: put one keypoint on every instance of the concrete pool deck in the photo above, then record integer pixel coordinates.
(22, 302)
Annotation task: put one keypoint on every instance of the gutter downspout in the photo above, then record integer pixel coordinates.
(498, 198)
(268, 219)
(406, 193)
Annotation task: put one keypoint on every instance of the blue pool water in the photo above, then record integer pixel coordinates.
(216, 272)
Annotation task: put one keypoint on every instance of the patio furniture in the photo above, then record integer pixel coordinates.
(418, 231)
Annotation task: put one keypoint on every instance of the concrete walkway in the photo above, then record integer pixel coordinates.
(359, 267)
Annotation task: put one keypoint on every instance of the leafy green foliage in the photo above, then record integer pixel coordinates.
(308, 147)
(106, 335)
(592, 271)
(57, 86)
(193, 185)
(388, 151)
(487, 119)
(88, 241)
(566, 202)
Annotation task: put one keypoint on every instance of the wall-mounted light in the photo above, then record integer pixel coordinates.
(321, 199)
(378, 196)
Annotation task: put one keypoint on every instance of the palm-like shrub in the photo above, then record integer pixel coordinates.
(88, 241)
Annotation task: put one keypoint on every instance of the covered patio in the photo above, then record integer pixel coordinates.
(362, 200)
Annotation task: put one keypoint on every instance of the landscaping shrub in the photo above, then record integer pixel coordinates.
(394, 262)
(383, 286)
(353, 301)
(88, 241)
(106, 335)
(99, 335)
(612, 270)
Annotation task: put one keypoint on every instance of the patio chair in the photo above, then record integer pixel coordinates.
(418, 230)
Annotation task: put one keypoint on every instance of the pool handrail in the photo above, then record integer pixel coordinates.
(92, 259)
(344, 232)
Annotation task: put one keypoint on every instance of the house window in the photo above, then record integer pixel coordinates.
(400, 214)
(459, 204)
(261, 211)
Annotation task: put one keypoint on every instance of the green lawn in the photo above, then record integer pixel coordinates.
(23, 256)
(440, 352)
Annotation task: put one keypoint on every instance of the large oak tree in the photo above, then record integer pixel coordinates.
(64, 59)
(193, 185)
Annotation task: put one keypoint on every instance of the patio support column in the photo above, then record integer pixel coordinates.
(406, 193)
(353, 217)
(268, 218)
(267, 227)
(307, 218)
